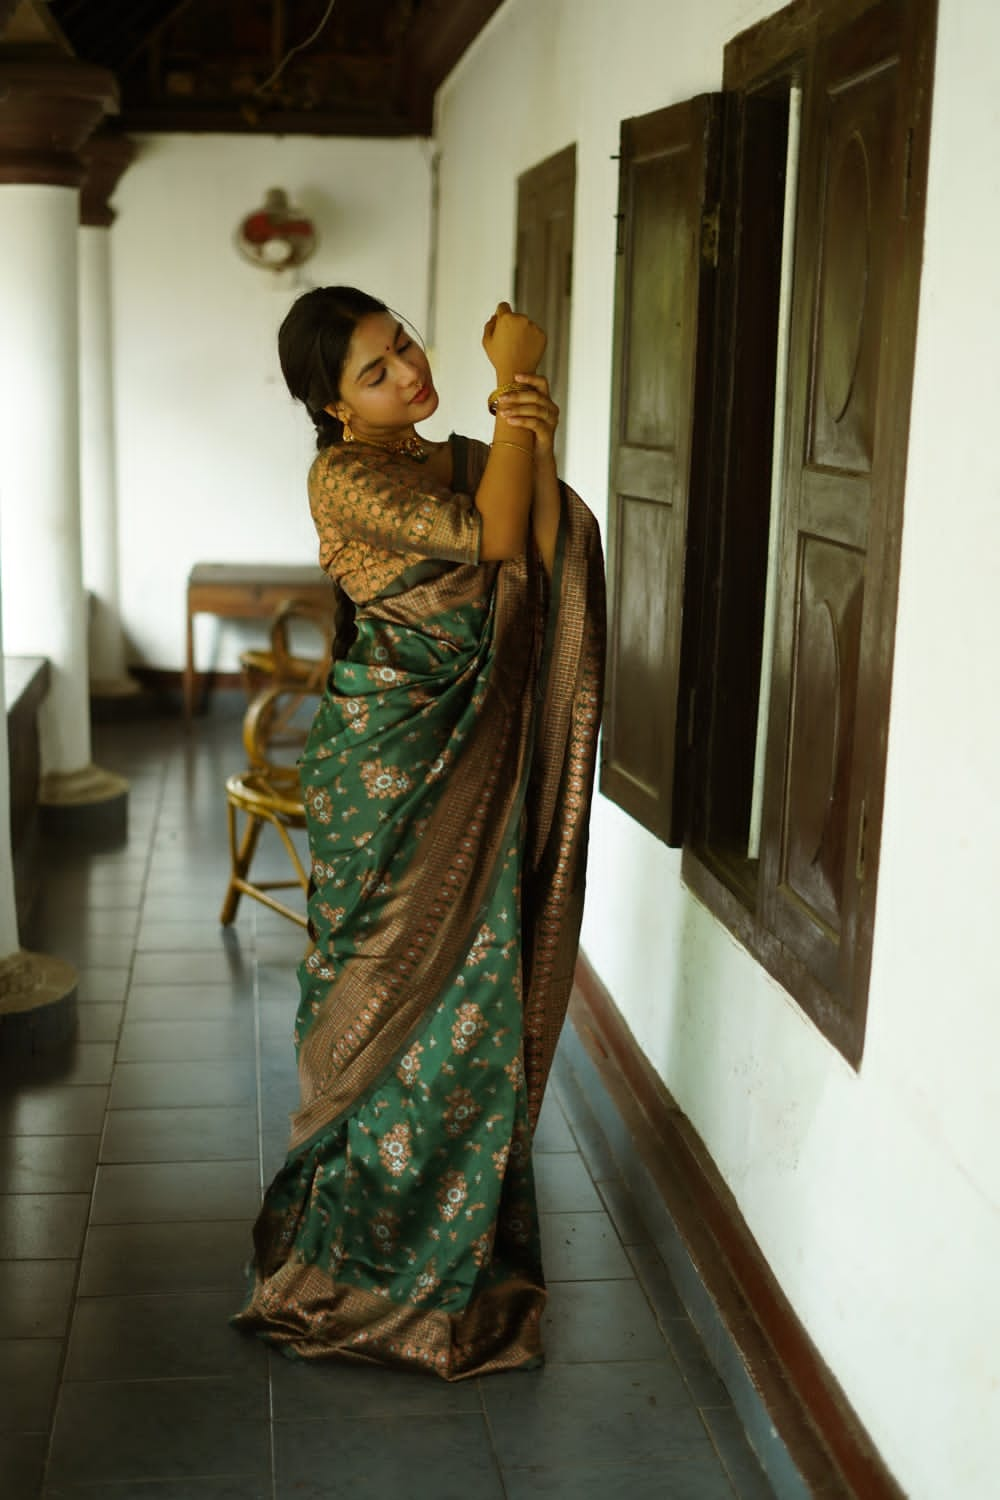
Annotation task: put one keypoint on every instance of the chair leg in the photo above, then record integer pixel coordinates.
(242, 853)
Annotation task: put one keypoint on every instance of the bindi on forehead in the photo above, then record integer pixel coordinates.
(366, 368)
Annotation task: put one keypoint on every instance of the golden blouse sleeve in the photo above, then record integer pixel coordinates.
(372, 498)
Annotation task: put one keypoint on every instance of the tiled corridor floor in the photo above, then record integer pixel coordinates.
(130, 1172)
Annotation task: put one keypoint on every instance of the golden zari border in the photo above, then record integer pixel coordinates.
(303, 1310)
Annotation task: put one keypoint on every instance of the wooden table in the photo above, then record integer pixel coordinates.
(244, 591)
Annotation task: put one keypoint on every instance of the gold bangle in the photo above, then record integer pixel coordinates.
(503, 443)
(494, 397)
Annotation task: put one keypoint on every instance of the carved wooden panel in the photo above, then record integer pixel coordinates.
(645, 652)
(662, 324)
(659, 238)
(847, 413)
(823, 698)
(543, 277)
(859, 118)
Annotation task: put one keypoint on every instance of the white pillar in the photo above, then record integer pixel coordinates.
(50, 103)
(98, 480)
(8, 904)
(44, 611)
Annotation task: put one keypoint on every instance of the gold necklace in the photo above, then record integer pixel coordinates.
(409, 446)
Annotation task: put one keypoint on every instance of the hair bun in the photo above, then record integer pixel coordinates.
(329, 429)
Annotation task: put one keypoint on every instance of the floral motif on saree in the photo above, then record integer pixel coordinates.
(447, 782)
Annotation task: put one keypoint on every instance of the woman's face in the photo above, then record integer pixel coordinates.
(386, 382)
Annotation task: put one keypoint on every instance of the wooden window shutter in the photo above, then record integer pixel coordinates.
(668, 186)
(543, 276)
(853, 322)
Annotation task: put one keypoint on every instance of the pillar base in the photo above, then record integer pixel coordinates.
(86, 806)
(37, 1003)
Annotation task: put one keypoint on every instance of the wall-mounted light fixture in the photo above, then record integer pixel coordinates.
(277, 235)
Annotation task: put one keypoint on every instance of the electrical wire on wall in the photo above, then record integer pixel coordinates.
(299, 47)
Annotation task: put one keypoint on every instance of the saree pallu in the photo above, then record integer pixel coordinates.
(447, 782)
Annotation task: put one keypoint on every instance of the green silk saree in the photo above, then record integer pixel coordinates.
(447, 781)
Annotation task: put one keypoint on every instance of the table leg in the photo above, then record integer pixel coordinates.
(189, 669)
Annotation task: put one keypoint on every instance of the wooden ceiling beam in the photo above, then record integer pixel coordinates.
(437, 37)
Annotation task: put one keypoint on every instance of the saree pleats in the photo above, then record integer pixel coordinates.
(447, 774)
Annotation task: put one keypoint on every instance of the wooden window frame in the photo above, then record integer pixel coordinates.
(781, 52)
(697, 684)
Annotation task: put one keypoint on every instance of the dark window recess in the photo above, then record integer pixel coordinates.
(667, 245)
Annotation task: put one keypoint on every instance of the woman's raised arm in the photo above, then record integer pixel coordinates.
(514, 345)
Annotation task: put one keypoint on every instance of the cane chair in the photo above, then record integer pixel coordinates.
(268, 791)
(279, 663)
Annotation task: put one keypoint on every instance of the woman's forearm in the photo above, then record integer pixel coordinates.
(546, 510)
(504, 496)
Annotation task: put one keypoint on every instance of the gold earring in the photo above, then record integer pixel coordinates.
(348, 434)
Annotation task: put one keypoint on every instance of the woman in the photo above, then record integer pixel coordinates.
(447, 783)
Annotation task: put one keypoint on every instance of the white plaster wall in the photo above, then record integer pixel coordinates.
(212, 452)
(875, 1195)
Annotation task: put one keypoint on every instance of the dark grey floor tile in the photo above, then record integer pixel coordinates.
(177, 903)
(684, 1480)
(628, 1413)
(588, 1321)
(191, 968)
(564, 1185)
(582, 1247)
(656, 1281)
(552, 1132)
(277, 1017)
(48, 1163)
(136, 1135)
(309, 1390)
(119, 1259)
(22, 1455)
(29, 1375)
(99, 1021)
(600, 1159)
(188, 1002)
(277, 984)
(738, 1458)
(42, 1226)
(278, 1066)
(183, 1041)
(287, 951)
(114, 895)
(689, 1351)
(37, 1297)
(105, 986)
(237, 1487)
(157, 936)
(125, 866)
(159, 1429)
(81, 1063)
(161, 1337)
(95, 949)
(53, 1111)
(176, 1192)
(447, 1458)
(175, 1085)
(624, 1212)
(122, 921)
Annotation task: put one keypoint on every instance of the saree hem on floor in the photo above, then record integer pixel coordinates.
(447, 782)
